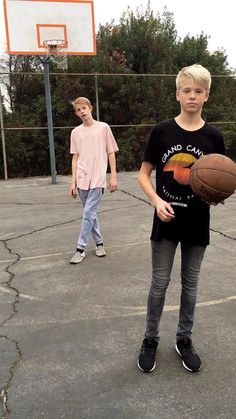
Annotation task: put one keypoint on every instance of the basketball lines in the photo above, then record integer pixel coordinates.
(130, 311)
(49, 255)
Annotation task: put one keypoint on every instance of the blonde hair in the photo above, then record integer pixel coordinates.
(81, 100)
(197, 73)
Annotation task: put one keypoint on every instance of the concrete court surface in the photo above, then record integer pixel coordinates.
(70, 334)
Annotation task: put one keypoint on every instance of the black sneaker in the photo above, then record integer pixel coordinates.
(190, 359)
(146, 361)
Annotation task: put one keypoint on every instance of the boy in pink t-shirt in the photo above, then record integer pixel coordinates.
(92, 146)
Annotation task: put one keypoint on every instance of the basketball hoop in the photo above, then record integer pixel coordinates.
(56, 50)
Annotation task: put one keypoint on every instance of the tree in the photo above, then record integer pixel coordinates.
(134, 73)
(146, 41)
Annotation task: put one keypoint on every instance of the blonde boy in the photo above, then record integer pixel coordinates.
(92, 146)
(180, 217)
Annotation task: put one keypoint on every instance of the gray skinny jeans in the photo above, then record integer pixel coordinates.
(163, 253)
(90, 200)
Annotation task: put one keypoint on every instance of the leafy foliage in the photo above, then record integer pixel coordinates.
(134, 74)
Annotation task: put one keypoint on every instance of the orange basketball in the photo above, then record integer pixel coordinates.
(213, 177)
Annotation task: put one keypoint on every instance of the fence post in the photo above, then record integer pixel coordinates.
(97, 97)
(3, 139)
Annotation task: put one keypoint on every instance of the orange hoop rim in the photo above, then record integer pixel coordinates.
(55, 45)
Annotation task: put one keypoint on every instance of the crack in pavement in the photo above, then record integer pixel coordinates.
(149, 203)
(60, 224)
(4, 391)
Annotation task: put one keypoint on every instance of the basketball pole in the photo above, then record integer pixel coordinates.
(3, 139)
(45, 62)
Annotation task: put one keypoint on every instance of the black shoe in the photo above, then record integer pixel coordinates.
(146, 361)
(190, 359)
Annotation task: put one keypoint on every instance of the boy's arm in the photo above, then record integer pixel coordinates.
(164, 210)
(112, 184)
(73, 186)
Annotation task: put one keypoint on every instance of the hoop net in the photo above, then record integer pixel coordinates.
(56, 50)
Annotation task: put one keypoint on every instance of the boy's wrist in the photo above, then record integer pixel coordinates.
(155, 200)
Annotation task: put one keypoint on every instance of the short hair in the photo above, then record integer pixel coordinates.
(81, 100)
(197, 73)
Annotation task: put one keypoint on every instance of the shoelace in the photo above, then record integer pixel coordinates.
(148, 345)
(188, 347)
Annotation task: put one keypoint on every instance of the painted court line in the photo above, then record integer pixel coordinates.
(48, 255)
(10, 291)
(138, 311)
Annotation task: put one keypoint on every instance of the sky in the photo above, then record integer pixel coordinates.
(215, 19)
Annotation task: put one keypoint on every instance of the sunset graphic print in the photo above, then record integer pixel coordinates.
(178, 168)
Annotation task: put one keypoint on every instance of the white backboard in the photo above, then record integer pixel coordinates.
(30, 22)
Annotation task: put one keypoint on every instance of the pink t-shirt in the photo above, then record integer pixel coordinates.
(92, 144)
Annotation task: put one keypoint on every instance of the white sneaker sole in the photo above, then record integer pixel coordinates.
(153, 368)
(183, 363)
(100, 256)
(76, 262)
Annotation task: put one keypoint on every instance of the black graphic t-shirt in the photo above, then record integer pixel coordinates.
(173, 150)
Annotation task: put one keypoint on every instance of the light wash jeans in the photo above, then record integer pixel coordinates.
(90, 200)
(163, 253)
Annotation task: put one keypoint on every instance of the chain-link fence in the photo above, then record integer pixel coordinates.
(131, 104)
